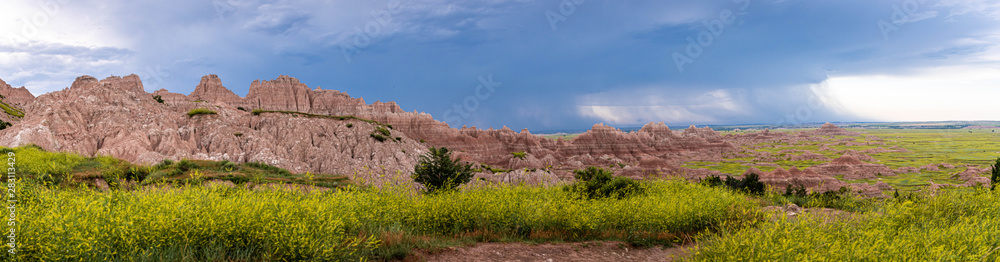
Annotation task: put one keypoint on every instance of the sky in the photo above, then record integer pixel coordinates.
(541, 64)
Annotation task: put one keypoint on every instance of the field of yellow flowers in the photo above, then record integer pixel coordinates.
(58, 220)
(62, 220)
(961, 224)
(217, 222)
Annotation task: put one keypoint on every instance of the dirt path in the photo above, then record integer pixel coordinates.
(585, 251)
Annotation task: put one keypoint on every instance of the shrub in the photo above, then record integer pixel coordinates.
(377, 136)
(520, 154)
(238, 134)
(257, 111)
(4, 124)
(164, 164)
(596, 183)
(185, 165)
(200, 111)
(241, 108)
(158, 99)
(268, 168)
(399, 139)
(349, 125)
(750, 183)
(995, 178)
(438, 171)
(229, 166)
(136, 173)
(383, 131)
(799, 191)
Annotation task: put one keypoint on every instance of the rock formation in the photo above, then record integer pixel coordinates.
(831, 130)
(116, 117)
(852, 168)
(13, 100)
(210, 89)
(15, 96)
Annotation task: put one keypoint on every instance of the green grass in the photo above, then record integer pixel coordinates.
(261, 111)
(68, 170)
(200, 111)
(953, 225)
(197, 223)
(925, 147)
(10, 110)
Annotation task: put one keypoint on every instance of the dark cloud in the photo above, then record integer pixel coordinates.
(600, 61)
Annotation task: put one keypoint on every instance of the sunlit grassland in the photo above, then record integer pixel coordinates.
(957, 147)
(953, 225)
(954, 146)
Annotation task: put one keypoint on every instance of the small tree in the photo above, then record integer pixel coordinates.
(438, 171)
(995, 178)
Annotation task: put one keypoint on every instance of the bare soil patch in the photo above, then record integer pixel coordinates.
(583, 251)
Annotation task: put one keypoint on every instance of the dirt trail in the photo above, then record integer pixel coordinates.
(586, 251)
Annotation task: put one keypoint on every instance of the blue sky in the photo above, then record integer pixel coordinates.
(544, 64)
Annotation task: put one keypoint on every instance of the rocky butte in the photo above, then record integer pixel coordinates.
(286, 123)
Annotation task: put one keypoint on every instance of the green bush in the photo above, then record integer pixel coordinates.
(437, 171)
(750, 183)
(258, 111)
(229, 166)
(268, 168)
(349, 125)
(200, 111)
(383, 131)
(184, 165)
(995, 178)
(378, 137)
(164, 164)
(158, 99)
(597, 183)
(519, 154)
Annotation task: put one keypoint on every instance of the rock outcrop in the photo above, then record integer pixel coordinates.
(831, 130)
(116, 117)
(15, 96)
(13, 101)
(852, 169)
(210, 89)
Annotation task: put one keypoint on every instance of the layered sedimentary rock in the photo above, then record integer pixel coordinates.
(210, 89)
(15, 96)
(852, 168)
(831, 130)
(14, 100)
(116, 117)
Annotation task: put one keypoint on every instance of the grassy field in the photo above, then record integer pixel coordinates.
(154, 216)
(166, 212)
(954, 225)
(196, 223)
(958, 147)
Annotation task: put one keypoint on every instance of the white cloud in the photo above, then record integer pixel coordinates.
(940, 93)
(278, 19)
(673, 105)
